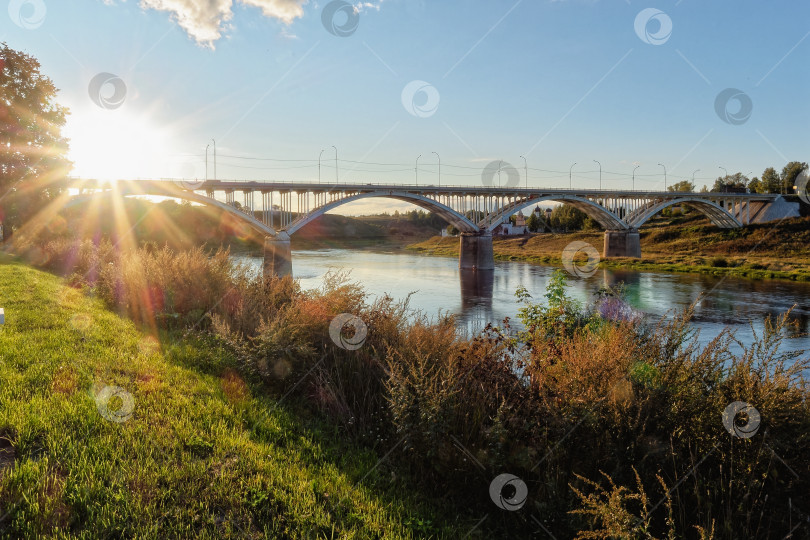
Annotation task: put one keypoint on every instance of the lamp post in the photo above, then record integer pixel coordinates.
(725, 171)
(500, 165)
(215, 158)
(440, 167)
(600, 174)
(693, 178)
(634, 176)
(526, 170)
(336, 165)
(206, 161)
(569, 174)
(416, 169)
(319, 166)
(665, 175)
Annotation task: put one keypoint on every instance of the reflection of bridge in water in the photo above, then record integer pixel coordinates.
(476, 302)
(286, 207)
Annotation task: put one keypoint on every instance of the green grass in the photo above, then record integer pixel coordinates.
(686, 244)
(204, 453)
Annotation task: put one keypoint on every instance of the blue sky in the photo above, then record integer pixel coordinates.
(556, 81)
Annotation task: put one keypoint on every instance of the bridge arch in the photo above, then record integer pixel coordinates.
(607, 219)
(716, 214)
(256, 225)
(458, 220)
(461, 222)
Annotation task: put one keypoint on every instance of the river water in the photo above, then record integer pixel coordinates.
(436, 285)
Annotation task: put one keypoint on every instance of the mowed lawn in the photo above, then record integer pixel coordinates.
(183, 447)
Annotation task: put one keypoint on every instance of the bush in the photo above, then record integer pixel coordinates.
(597, 409)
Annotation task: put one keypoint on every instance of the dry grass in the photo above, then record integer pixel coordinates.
(591, 413)
(688, 244)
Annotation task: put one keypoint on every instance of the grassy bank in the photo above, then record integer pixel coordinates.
(764, 251)
(391, 425)
(205, 452)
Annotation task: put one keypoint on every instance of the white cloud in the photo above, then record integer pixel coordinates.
(207, 20)
(363, 6)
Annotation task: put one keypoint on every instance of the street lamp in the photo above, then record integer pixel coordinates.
(215, 158)
(693, 178)
(569, 174)
(724, 170)
(500, 165)
(634, 176)
(416, 169)
(440, 167)
(336, 165)
(319, 166)
(206, 161)
(526, 169)
(600, 174)
(665, 175)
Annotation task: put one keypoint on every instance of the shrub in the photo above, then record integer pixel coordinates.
(595, 407)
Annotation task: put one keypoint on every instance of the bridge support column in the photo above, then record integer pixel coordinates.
(623, 243)
(475, 251)
(277, 255)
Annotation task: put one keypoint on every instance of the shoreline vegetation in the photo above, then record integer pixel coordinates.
(202, 450)
(763, 251)
(264, 417)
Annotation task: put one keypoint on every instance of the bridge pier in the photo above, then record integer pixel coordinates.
(475, 251)
(622, 243)
(277, 255)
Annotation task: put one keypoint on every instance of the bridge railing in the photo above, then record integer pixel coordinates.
(264, 184)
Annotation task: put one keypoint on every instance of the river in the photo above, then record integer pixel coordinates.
(436, 285)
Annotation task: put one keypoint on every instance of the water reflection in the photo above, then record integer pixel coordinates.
(476, 288)
(478, 298)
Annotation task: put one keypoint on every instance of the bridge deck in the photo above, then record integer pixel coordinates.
(321, 187)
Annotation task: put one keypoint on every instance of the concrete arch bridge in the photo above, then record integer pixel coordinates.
(277, 210)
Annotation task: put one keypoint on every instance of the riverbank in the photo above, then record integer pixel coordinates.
(200, 451)
(264, 409)
(761, 251)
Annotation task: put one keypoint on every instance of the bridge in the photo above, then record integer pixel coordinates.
(285, 207)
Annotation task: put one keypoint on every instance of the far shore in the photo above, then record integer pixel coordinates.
(757, 252)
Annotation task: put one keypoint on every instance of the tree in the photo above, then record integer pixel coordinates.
(736, 181)
(567, 218)
(683, 185)
(770, 182)
(32, 148)
(533, 222)
(755, 185)
(789, 174)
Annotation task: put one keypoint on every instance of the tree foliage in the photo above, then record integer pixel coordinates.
(32, 147)
(533, 222)
(567, 218)
(770, 181)
(683, 185)
(755, 185)
(736, 181)
(789, 174)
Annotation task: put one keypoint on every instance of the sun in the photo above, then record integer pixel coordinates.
(116, 144)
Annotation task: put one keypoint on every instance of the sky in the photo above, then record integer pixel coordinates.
(274, 84)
